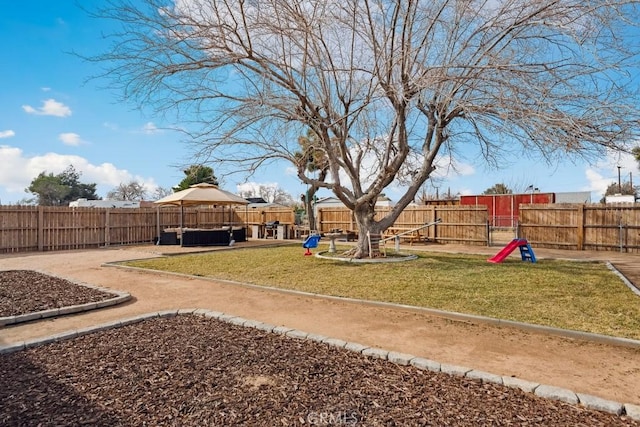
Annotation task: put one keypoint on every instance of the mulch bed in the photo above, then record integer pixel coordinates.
(193, 371)
(27, 291)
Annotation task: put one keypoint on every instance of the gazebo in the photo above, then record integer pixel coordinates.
(199, 194)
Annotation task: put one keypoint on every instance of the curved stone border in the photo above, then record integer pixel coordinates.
(545, 391)
(119, 298)
(400, 258)
(452, 315)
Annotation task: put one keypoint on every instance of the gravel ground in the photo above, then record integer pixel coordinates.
(26, 291)
(193, 371)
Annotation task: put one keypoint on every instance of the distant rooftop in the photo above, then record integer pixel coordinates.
(255, 200)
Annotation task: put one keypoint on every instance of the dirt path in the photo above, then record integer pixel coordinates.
(606, 371)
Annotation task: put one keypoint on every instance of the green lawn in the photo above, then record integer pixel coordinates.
(584, 296)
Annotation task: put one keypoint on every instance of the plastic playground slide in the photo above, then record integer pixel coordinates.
(506, 251)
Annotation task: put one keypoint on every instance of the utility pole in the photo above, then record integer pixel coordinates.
(619, 183)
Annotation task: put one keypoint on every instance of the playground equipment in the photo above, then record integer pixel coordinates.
(526, 252)
(311, 242)
(376, 245)
(396, 237)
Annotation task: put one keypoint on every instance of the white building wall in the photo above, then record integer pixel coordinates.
(84, 203)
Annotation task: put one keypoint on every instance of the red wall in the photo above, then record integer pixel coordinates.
(505, 208)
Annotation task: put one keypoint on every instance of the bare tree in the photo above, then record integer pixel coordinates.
(387, 87)
(279, 196)
(161, 192)
(269, 193)
(131, 191)
(626, 188)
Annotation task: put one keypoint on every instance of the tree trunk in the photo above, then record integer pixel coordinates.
(308, 202)
(369, 233)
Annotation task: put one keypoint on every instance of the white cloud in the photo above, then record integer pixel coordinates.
(596, 182)
(19, 170)
(13, 175)
(70, 138)
(614, 159)
(7, 133)
(466, 192)
(605, 172)
(447, 168)
(50, 107)
(291, 171)
(150, 128)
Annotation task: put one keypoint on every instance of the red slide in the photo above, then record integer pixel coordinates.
(511, 246)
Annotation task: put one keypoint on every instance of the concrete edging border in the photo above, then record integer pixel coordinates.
(545, 391)
(463, 317)
(119, 298)
(622, 277)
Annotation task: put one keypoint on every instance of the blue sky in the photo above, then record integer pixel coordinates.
(52, 116)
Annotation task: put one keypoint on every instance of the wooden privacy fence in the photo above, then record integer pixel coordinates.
(460, 224)
(44, 228)
(562, 226)
(610, 227)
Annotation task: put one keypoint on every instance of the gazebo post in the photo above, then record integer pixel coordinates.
(181, 221)
(158, 224)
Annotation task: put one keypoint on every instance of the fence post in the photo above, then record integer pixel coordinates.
(107, 228)
(433, 234)
(488, 232)
(158, 224)
(40, 228)
(580, 226)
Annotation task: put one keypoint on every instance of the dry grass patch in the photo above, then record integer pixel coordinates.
(584, 296)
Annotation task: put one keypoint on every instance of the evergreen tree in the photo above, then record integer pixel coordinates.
(60, 189)
(196, 174)
(316, 163)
